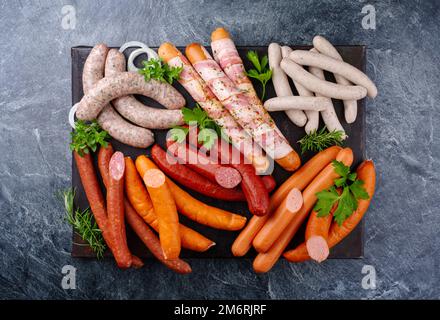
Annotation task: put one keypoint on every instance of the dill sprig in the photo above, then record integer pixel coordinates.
(319, 140)
(84, 224)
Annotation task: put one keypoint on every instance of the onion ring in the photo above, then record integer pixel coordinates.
(72, 112)
(143, 48)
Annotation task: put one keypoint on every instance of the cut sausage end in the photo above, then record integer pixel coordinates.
(317, 248)
(167, 51)
(294, 200)
(227, 177)
(290, 162)
(220, 33)
(154, 178)
(117, 166)
(195, 53)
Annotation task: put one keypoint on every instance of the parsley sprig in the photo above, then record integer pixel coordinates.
(83, 224)
(352, 191)
(261, 72)
(88, 137)
(319, 140)
(209, 130)
(159, 70)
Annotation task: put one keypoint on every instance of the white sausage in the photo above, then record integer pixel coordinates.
(328, 115)
(281, 84)
(318, 60)
(326, 88)
(295, 102)
(285, 51)
(312, 116)
(325, 47)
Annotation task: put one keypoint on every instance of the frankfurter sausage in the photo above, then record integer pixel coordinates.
(324, 180)
(366, 173)
(122, 84)
(278, 221)
(108, 119)
(134, 110)
(115, 209)
(317, 235)
(197, 88)
(191, 179)
(326, 88)
(300, 103)
(325, 47)
(300, 179)
(243, 111)
(281, 84)
(318, 60)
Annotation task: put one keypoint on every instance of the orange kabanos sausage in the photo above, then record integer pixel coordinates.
(166, 211)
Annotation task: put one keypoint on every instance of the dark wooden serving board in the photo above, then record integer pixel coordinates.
(351, 247)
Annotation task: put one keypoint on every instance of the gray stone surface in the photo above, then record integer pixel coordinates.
(402, 240)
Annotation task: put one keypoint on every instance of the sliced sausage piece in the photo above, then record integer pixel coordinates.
(326, 88)
(325, 47)
(115, 209)
(123, 84)
(134, 110)
(314, 59)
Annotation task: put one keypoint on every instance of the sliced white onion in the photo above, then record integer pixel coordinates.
(134, 55)
(72, 115)
(143, 48)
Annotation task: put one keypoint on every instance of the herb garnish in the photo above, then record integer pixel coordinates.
(87, 136)
(209, 130)
(347, 200)
(319, 140)
(84, 224)
(261, 72)
(157, 69)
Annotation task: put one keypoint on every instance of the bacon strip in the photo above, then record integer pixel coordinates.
(243, 110)
(198, 89)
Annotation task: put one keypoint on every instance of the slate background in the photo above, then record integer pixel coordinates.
(402, 241)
